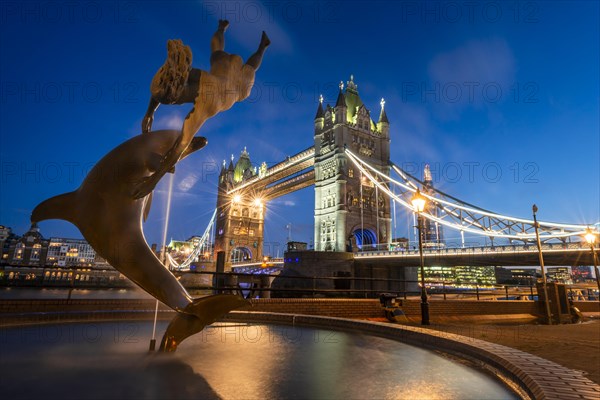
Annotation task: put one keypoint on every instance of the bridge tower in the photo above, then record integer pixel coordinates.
(433, 233)
(349, 211)
(240, 218)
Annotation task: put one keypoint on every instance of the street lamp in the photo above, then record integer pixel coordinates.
(590, 237)
(418, 202)
(539, 246)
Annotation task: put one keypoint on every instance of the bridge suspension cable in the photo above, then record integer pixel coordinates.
(460, 215)
(185, 265)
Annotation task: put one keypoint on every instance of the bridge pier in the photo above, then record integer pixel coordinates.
(334, 273)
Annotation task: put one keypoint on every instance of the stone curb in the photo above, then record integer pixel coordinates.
(535, 376)
(538, 377)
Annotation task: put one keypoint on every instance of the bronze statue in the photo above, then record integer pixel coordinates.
(228, 82)
(114, 198)
(111, 221)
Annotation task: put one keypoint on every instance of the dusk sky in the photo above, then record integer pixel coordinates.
(500, 98)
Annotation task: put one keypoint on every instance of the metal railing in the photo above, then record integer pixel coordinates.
(472, 250)
(277, 285)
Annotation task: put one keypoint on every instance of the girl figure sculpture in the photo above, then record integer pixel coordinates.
(229, 80)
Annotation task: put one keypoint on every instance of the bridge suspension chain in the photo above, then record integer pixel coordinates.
(185, 265)
(462, 216)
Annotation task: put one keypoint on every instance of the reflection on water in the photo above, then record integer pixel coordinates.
(16, 293)
(231, 361)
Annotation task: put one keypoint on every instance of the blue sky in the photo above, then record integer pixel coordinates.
(501, 98)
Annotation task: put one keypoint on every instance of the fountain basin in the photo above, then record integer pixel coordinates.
(232, 360)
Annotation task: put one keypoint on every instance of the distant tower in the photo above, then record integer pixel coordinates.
(433, 235)
(240, 219)
(350, 213)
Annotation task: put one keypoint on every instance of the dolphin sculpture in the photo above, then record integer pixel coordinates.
(110, 219)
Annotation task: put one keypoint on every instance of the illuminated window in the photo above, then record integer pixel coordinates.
(350, 173)
(19, 251)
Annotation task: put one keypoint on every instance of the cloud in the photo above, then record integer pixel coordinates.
(476, 74)
(282, 202)
(188, 182)
(172, 120)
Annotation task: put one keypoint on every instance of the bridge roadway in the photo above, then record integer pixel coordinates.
(555, 254)
(284, 177)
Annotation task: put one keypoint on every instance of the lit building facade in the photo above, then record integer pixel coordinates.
(438, 275)
(475, 275)
(64, 252)
(7, 237)
(28, 250)
(240, 218)
(559, 275)
(503, 275)
(524, 276)
(32, 260)
(582, 273)
(350, 213)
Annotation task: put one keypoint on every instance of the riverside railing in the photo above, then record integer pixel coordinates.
(277, 285)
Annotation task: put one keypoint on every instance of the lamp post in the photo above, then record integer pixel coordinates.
(590, 237)
(539, 246)
(418, 202)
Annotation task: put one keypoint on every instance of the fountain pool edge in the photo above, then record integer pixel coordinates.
(537, 377)
(534, 376)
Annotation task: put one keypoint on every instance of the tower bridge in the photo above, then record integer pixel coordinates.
(356, 185)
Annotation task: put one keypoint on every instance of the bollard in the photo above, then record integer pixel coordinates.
(531, 290)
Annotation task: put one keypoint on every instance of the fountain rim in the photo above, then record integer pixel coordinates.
(526, 375)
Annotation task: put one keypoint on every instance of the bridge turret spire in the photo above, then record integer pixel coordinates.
(319, 117)
(341, 99)
(320, 113)
(383, 125)
(427, 175)
(341, 106)
(382, 115)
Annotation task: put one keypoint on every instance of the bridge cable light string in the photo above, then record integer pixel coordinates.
(428, 216)
(436, 219)
(481, 231)
(196, 251)
(472, 208)
(410, 186)
(469, 207)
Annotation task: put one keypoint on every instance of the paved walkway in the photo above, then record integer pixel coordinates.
(576, 346)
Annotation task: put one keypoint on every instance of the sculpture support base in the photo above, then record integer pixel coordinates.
(200, 313)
